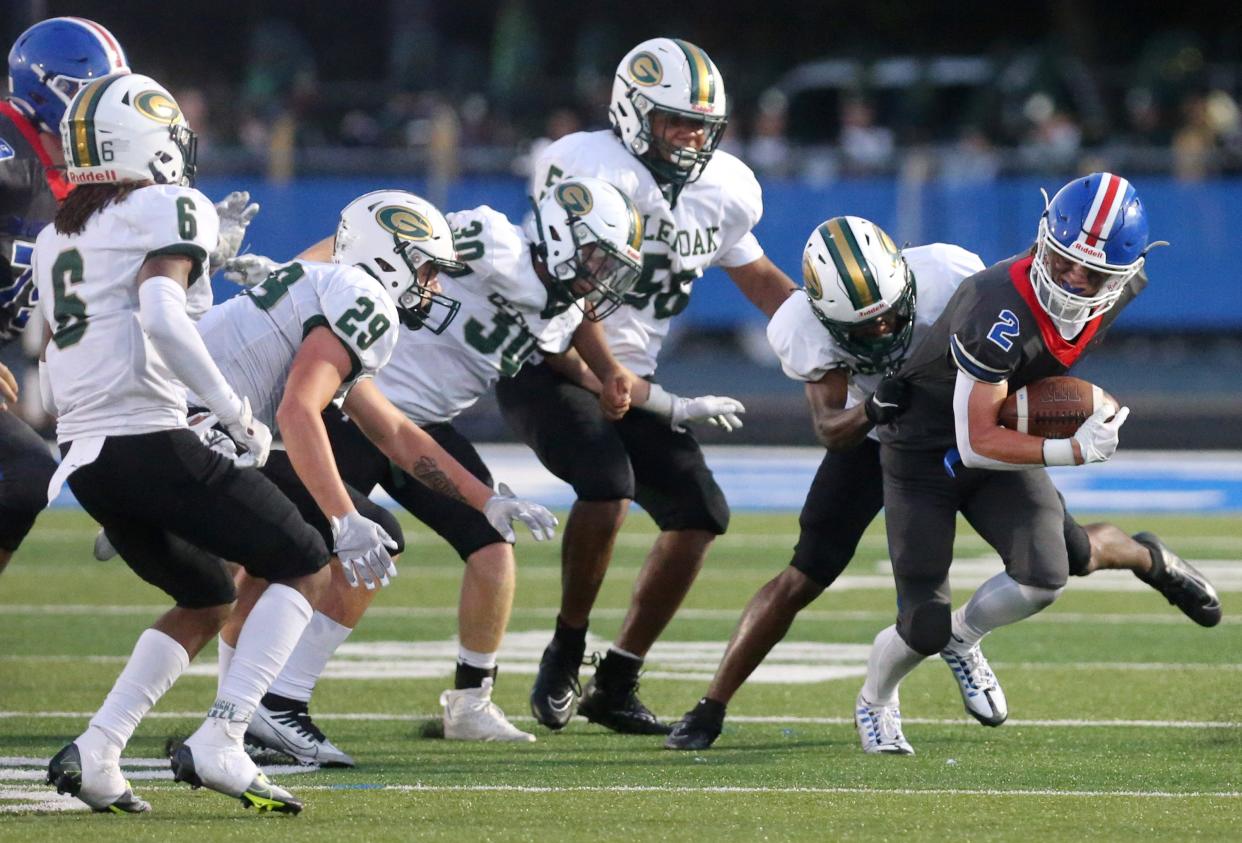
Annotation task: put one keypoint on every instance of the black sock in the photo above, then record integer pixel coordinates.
(1157, 572)
(709, 709)
(275, 702)
(617, 666)
(469, 676)
(570, 636)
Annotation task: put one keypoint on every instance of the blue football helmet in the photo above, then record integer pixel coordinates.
(1096, 221)
(52, 60)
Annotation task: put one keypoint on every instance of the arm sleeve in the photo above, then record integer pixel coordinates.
(163, 317)
(961, 422)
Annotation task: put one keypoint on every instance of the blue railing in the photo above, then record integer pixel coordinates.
(1195, 283)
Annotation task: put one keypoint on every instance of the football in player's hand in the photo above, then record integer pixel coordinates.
(1053, 407)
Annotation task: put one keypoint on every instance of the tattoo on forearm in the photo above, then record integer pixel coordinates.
(429, 474)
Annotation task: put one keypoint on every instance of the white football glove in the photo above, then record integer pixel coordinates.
(235, 212)
(362, 546)
(251, 434)
(503, 507)
(1097, 439)
(717, 410)
(248, 270)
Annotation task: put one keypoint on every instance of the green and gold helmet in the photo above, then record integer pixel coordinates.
(590, 237)
(391, 234)
(861, 290)
(674, 78)
(126, 127)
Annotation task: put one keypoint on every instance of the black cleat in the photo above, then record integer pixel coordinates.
(555, 693)
(614, 704)
(64, 772)
(1180, 583)
(698, 729)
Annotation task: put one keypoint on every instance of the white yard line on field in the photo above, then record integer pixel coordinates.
(773, 720)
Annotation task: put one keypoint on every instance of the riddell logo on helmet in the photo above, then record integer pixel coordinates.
(878, 307)
(90, 176)
(1089, 251)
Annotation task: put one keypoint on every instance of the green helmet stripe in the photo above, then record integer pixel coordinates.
(636, 224)
(702, 80)
(853, 268)
(85, 153)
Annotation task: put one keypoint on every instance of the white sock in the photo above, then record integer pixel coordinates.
(152, 668)
(473, 658)
(316, 646)
(223, 659)
(266, 640)
(999, 601)
(891, 660)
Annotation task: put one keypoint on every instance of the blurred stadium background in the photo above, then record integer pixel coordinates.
(939, 121)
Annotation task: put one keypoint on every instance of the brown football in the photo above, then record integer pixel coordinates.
(1053, 407)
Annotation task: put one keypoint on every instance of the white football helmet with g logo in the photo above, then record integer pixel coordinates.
(675, 77)
(590, 237)
(127, 127)
(854, 276)
(391, 234)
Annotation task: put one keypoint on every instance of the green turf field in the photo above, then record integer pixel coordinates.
(1126, 719)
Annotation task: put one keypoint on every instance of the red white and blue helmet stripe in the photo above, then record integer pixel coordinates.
(1099, 220)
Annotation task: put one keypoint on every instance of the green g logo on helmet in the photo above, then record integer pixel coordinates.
(810, 280)
(404, 222)
(645, 70)
(575, 198)
(157, 106)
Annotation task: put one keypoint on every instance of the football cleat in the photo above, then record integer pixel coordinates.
(294, 733)
(103, 549)
(879, 729)
(1181, 584)
(470, 715)
(697, 730)
(228, 770)
(614, 704)
(98, 782)
(555, 693)
(981, 692)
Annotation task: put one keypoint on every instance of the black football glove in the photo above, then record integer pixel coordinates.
(890, 400)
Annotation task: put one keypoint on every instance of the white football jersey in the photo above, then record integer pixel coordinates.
(107, 378)
(807, 351)
(504, 314)
(254, 337)
(709, 226)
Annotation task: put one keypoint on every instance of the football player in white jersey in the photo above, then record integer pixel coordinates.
(387, 240)
(522, 292)
(842, 335)
(699, 204)
(112, 274)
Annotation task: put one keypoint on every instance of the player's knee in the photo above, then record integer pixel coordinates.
(926, 627)
(1078, 545)
(820, 557)
(1039, 597)
(710, 517)
(613, 484)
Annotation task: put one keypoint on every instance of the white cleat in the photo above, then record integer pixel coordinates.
(981, 692)
(470, 715)
(223, 766)
(879, 729)
(296, 735)
(94, 776)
